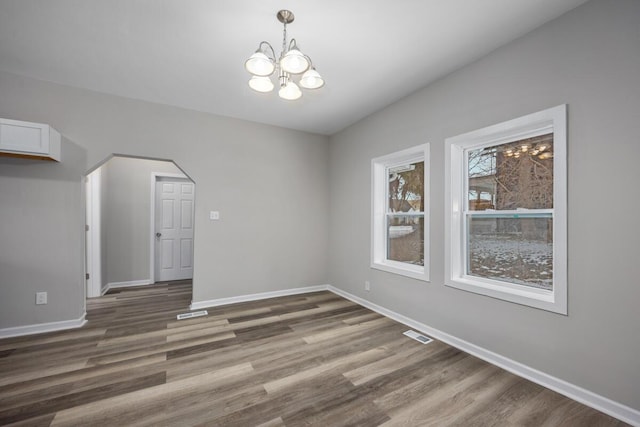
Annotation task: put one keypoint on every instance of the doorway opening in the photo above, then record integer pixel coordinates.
(140, 223)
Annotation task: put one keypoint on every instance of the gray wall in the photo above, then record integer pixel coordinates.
(41, 239)
(589, 59)
(127, 215)
(269, 184)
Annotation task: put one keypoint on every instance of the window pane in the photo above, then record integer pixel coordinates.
(510, 176)
(514, 250)
(405, 239)
(406, 188)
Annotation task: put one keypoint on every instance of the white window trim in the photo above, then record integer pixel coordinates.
(554, 119)
(379, 188)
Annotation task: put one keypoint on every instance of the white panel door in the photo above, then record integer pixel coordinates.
(174, 229)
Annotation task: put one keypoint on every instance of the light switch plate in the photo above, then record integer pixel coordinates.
(214, 215)
(41, 298)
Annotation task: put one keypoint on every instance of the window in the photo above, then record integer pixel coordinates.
(506, 213)
(400, 228)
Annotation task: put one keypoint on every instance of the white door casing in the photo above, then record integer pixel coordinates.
(93, 245)
(174, 217)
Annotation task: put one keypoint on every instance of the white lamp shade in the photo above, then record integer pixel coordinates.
(290, 91)
(311, 79)
(261, 84)
(259, 64)
(294, 62)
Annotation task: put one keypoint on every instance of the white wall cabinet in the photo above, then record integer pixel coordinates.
(29, 140)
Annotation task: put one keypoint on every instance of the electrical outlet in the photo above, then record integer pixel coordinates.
(367, 285)
(41, 298)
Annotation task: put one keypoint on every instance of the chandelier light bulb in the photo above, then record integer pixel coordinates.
(290, 91)
(261, 84)
(294, 62)
(259, 64)
(311, 79)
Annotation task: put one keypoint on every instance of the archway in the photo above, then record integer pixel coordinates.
(125, 238)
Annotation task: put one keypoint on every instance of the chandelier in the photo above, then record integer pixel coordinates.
(292, 62)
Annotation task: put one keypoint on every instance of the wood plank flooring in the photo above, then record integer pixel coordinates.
(312, 359)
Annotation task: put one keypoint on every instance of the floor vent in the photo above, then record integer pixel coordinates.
(192, 314)
(418, 337)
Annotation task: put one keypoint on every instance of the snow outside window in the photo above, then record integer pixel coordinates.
(400, 228)
(506, 214)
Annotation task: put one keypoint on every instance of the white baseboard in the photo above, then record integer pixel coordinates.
(197, 305)
(579, 394)
(43, 327)
(114, 285)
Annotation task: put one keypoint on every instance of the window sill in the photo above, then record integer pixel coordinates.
(532, 297)
(402, 269)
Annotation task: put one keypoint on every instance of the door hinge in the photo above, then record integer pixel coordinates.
(87, 276)
(86, 227)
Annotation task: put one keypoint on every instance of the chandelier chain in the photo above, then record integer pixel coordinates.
(284, 40)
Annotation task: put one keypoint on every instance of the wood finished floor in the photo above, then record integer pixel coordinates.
(313, 359)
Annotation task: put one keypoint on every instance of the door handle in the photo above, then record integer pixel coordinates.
(158, 235)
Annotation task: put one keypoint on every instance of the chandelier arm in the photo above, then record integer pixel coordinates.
(294, 43)
(273, 53)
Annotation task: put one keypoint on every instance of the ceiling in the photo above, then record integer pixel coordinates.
(190, 53)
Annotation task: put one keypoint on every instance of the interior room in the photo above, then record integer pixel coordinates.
(304, 182)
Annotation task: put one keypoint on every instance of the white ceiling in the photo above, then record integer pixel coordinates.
(190, 53)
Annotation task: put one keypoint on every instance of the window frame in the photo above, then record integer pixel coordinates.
(379, 214)
(456, 209)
